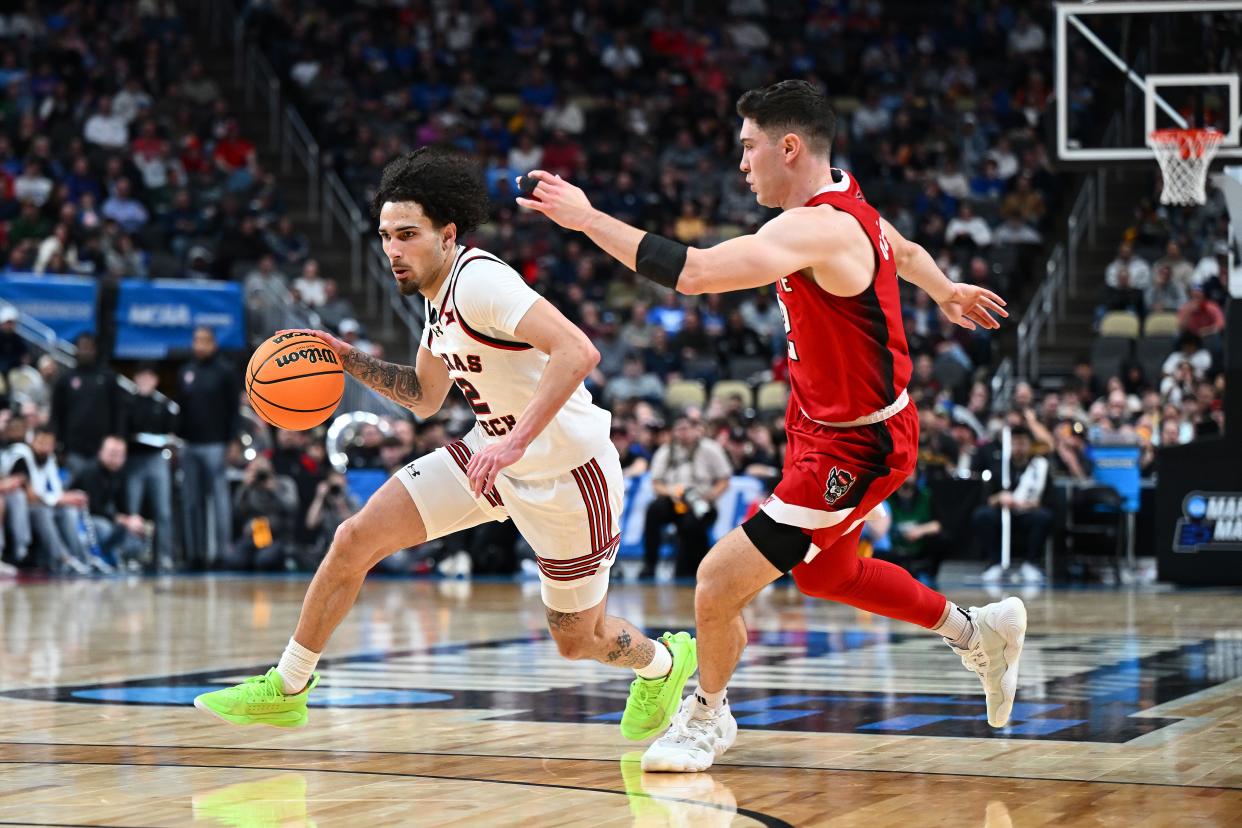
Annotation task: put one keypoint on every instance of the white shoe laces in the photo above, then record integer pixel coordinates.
(976, 660)
(683, 731)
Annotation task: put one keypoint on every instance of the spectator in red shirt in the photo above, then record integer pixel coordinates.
(148, 144)
(236, 158)
(1200, 315)
(192, 158)
(561, 155)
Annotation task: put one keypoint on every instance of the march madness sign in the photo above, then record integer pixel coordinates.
(1210, 521)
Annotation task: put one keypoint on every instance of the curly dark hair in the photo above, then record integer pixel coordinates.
(448, 186)
(792, 106)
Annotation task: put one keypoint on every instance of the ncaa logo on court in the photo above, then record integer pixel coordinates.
(839, 482)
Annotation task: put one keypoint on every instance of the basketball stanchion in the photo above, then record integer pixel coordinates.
(1006, 516)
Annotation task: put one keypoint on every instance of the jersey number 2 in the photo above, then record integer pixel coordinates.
(472, 396)
(793, 350)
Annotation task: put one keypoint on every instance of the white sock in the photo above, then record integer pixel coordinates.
(714, 701)
(957, 628)
(661, 663)
(295, 667)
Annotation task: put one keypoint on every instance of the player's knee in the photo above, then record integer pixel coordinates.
(574, 634)
(574, 647)
(574, 644)
(713, 597)
(352, 544)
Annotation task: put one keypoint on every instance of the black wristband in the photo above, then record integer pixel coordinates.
(661, 260)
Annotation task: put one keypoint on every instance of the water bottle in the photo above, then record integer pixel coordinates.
(87, 536)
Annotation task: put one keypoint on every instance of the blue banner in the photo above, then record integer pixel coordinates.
(154, 318)
(66, 304)
(731, 508)
(1118, 466)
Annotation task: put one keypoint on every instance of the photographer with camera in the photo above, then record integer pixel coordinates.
(332, 505)
(688, 473)
(266, 507)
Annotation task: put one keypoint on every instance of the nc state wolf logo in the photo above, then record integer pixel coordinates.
(839, 482)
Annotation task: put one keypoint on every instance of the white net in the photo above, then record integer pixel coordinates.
(1184, 156)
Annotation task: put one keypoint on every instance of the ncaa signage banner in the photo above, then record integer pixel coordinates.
(1210, 522)
(731, 509)
(66, 304)
(154, 318)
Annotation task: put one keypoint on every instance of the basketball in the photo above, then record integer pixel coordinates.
(294, 381)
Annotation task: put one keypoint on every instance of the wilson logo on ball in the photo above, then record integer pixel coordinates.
(311, 355)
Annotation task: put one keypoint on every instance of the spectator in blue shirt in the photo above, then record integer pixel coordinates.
(124, 209)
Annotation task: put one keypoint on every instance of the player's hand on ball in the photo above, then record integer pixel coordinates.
(485, 465)
(556, 198)
(970, 306)
(340, 346)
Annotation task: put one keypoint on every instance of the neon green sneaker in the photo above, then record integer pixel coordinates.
(653, 702)
(258, 700)
(278, 800)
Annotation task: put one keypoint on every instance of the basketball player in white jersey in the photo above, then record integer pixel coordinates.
(539, 454)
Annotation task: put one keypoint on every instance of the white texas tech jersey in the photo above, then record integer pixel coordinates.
(471, 327)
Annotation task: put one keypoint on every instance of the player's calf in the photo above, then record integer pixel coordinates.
(592, 635)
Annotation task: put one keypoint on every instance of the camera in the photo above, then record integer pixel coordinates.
(262, 476)
(334, 489)
(697, 504)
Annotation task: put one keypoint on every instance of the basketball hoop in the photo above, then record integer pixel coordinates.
(1184, 156)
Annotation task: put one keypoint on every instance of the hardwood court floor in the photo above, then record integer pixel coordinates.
(444, 703)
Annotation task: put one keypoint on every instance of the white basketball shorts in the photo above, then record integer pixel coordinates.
(572, 521)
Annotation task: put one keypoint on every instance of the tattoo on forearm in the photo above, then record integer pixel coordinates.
(398, 383)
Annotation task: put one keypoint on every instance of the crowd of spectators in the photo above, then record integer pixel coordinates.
(121, 157)
(635, 102)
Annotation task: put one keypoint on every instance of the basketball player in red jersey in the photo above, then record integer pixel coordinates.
(853, 433)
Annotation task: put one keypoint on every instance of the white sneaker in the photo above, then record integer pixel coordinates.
(1031, 574)
(102, 566)
(72, 566)
(993, 574)
(697, 736)
(1000, 630)
(457, 565)
(7, 571)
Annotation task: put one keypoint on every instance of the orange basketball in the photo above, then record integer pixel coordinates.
(294, 381)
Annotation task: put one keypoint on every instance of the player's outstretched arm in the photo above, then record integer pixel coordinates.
(782, 246)
(966, 305)
(421, 387)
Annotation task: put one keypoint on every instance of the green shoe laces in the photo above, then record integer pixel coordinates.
(263, 688)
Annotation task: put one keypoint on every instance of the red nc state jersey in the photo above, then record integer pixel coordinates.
(847, 355)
